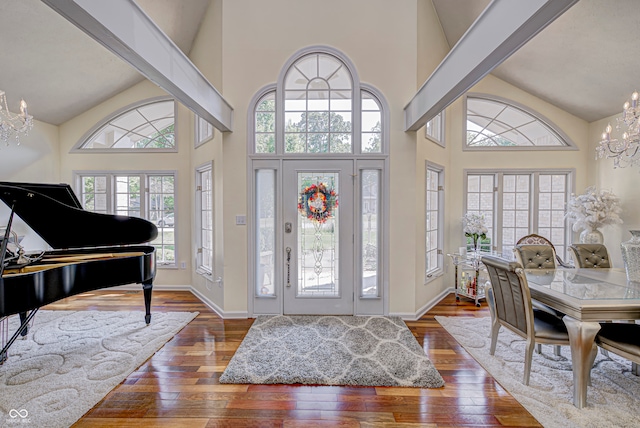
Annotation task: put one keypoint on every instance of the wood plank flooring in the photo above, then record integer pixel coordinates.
(178, 386)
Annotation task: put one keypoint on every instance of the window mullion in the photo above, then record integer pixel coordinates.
(144, 201)
(534, 200)
(111, 194)
(497, 212)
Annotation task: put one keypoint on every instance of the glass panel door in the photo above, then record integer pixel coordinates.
(318, 237)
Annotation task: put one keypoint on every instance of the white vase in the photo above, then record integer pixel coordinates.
(631, 256)
(591, 236)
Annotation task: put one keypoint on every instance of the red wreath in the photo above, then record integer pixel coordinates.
(317, 202)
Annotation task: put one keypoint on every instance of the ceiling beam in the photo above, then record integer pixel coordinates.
(502, 28)
(123, 28)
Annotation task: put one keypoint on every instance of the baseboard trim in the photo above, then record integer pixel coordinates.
(138, 287)
(408, 316)
(217, 309)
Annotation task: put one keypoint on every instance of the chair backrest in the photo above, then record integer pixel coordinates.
(538, 256)
(511, 295)
(534, 239)
(590, 255)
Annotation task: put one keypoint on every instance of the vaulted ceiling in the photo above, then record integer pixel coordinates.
(60, 70)
(585, 62)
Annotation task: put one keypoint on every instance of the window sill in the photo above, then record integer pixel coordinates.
(433, 276)
(159, 266)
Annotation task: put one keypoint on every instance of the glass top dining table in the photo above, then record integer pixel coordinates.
(587, 297)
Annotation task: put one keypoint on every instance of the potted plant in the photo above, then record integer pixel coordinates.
(591, 211)
(474, 228)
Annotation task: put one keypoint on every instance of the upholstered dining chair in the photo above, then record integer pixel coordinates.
(538, 256)
(513, 310)
(534, 239)
(535, 256)
(622, 339)
(590, 255)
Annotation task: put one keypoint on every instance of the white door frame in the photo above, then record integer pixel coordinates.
(274, 303)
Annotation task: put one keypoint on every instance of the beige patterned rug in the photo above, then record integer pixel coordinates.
(331, 350)
(71, 359)
(613, 400)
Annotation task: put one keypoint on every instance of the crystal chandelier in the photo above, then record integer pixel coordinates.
(626, 150)
(12, 125)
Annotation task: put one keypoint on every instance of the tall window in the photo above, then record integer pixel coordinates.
(499, 123)
(434, 220)
(147, 195)
(480, 200)
(204, 219)
(145, 126)
(519, 203)
(435, 129)
(265, 197)
(371, 210)
(203, 131)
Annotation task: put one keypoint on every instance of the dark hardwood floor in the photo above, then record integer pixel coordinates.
(178, 386)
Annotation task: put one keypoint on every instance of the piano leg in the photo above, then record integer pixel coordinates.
(146, 288)
(25, 330)
(23, 327)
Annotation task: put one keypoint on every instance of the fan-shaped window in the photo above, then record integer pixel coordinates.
(145, 126)
(498, 123)
(318, 103)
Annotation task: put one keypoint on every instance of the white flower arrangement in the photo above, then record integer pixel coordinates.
(593, 209)
(473, 227)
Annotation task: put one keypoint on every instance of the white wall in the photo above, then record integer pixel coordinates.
(206, 54)
(623, 182)
(36, 159)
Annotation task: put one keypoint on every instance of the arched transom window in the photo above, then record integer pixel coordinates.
(495, 122)
(148, 125)
(324, 110)
(318, 106)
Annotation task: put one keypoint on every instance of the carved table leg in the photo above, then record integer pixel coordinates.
(582, 340)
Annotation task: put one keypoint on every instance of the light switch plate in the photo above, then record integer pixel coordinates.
(241, 219)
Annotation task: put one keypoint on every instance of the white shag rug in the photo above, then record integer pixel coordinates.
(613, 399)
(71, 359)
(331, 350)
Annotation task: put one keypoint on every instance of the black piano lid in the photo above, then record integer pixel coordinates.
(54, 212)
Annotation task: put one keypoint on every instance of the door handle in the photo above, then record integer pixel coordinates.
(288, 266)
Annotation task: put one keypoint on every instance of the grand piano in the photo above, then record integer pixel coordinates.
(88, 251)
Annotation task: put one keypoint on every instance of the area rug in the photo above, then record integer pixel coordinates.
(613, 399)
(71, 359)
(331, 350)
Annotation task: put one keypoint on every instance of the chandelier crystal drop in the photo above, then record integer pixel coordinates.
(625, 151)
(13, 125)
